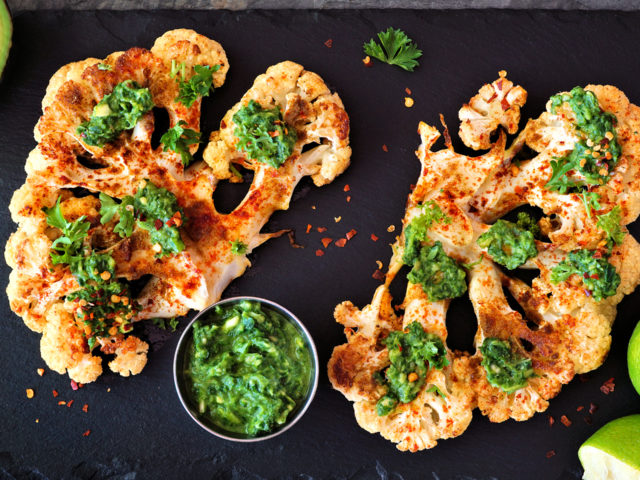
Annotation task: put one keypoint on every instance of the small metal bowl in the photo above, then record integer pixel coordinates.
(181, 387)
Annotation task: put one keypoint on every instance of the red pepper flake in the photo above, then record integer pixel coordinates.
(565, 421)
(69, 403)
(62, 402)
(329, 43)
(551, 421)
(40, 371)
(378, 275)
(55, 393)
(550, 453)
(322, 229)
(308, 228)
(585, 275)
(157, 223)
(580, 408)
(592, 408)
(87, 433)
(595, 276)
(351, 233)
(348, 198)
(374, 237)
(341, 243)
(326, 241)
(597, 254)
(608, 386)
(319, 253)
(408, 91)
(85, 408)
(347, 188)
(74, 385)
(385, 148)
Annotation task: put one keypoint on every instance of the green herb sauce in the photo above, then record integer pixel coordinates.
(597, 150)
(411, 354)
(508, 244)
(263, 135)
(249, 368)
(116, 112)
(505, 368)
(598, 276)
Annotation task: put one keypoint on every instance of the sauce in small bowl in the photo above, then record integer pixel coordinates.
(246, 369)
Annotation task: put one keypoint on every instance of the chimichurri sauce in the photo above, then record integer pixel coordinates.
(247, 368)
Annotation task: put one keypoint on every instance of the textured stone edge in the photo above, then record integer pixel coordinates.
(27, 5)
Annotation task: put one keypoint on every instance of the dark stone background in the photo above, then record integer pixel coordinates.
(138, 429)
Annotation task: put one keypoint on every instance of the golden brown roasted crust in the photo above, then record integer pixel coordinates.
(563, 330)
(62, 161)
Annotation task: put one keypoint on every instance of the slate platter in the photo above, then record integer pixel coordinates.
(138, 429)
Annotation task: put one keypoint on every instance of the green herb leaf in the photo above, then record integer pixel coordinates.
(610, 224)
(440, 275)
(199, 85)
(395, 48)
(178, 140)
(116, 112)
(166, 323)
(505, 368)
(526, 222)
(238, 247)
(109, 208)
(416, 232)
(590, 201)
(598, 276)
(435, 389)
(263, 135)
(105, 66)
(68, 247)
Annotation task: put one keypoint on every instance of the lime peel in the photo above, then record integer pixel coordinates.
(633, 358)
(613, 452)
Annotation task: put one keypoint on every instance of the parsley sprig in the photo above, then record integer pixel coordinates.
(68, 247)
(610, 224)
(395, 48)
(178, 139)
(199, 85)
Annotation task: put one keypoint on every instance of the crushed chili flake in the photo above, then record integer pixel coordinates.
(378, 275)
(74, 385)
(367, 61)
(391, 228)
(69, 403)
(321, 229)
(40, 371)
(313, 207)
(341, 242)
(55, 393)
(408, 102)
(551, 421)
(385, 148)
(326, 241)
(319, 253)
(379, 263)
(62, 402)
(337, 219)
(351, 233)
(347, 188)
(580, 408)
(308, 228)
(329, 43)
(592, 408)
(348, 198)
(87, 433)
(565, 421)
(550, 453)
(408, 91)
(292, 239)
(374, 237)
(30, 393)
(37, 420)
(608, 386)
(85, 408)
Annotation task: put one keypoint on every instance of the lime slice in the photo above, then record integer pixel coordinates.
(633, 358)
(6, 29)
(613, 452)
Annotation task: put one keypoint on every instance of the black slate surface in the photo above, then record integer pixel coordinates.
(138, 429)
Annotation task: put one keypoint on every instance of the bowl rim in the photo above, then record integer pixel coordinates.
(313, 384)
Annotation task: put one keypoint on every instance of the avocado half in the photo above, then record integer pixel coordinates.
(6, 29)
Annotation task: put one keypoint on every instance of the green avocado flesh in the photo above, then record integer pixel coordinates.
(6, 28)
(248, 368)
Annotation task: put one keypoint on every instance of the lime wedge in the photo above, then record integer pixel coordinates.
(613, 452)
(6, 29)
(633, 358)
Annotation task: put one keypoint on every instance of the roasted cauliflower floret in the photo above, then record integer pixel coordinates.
(496, 104)
(306, 106)
(131, 356)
